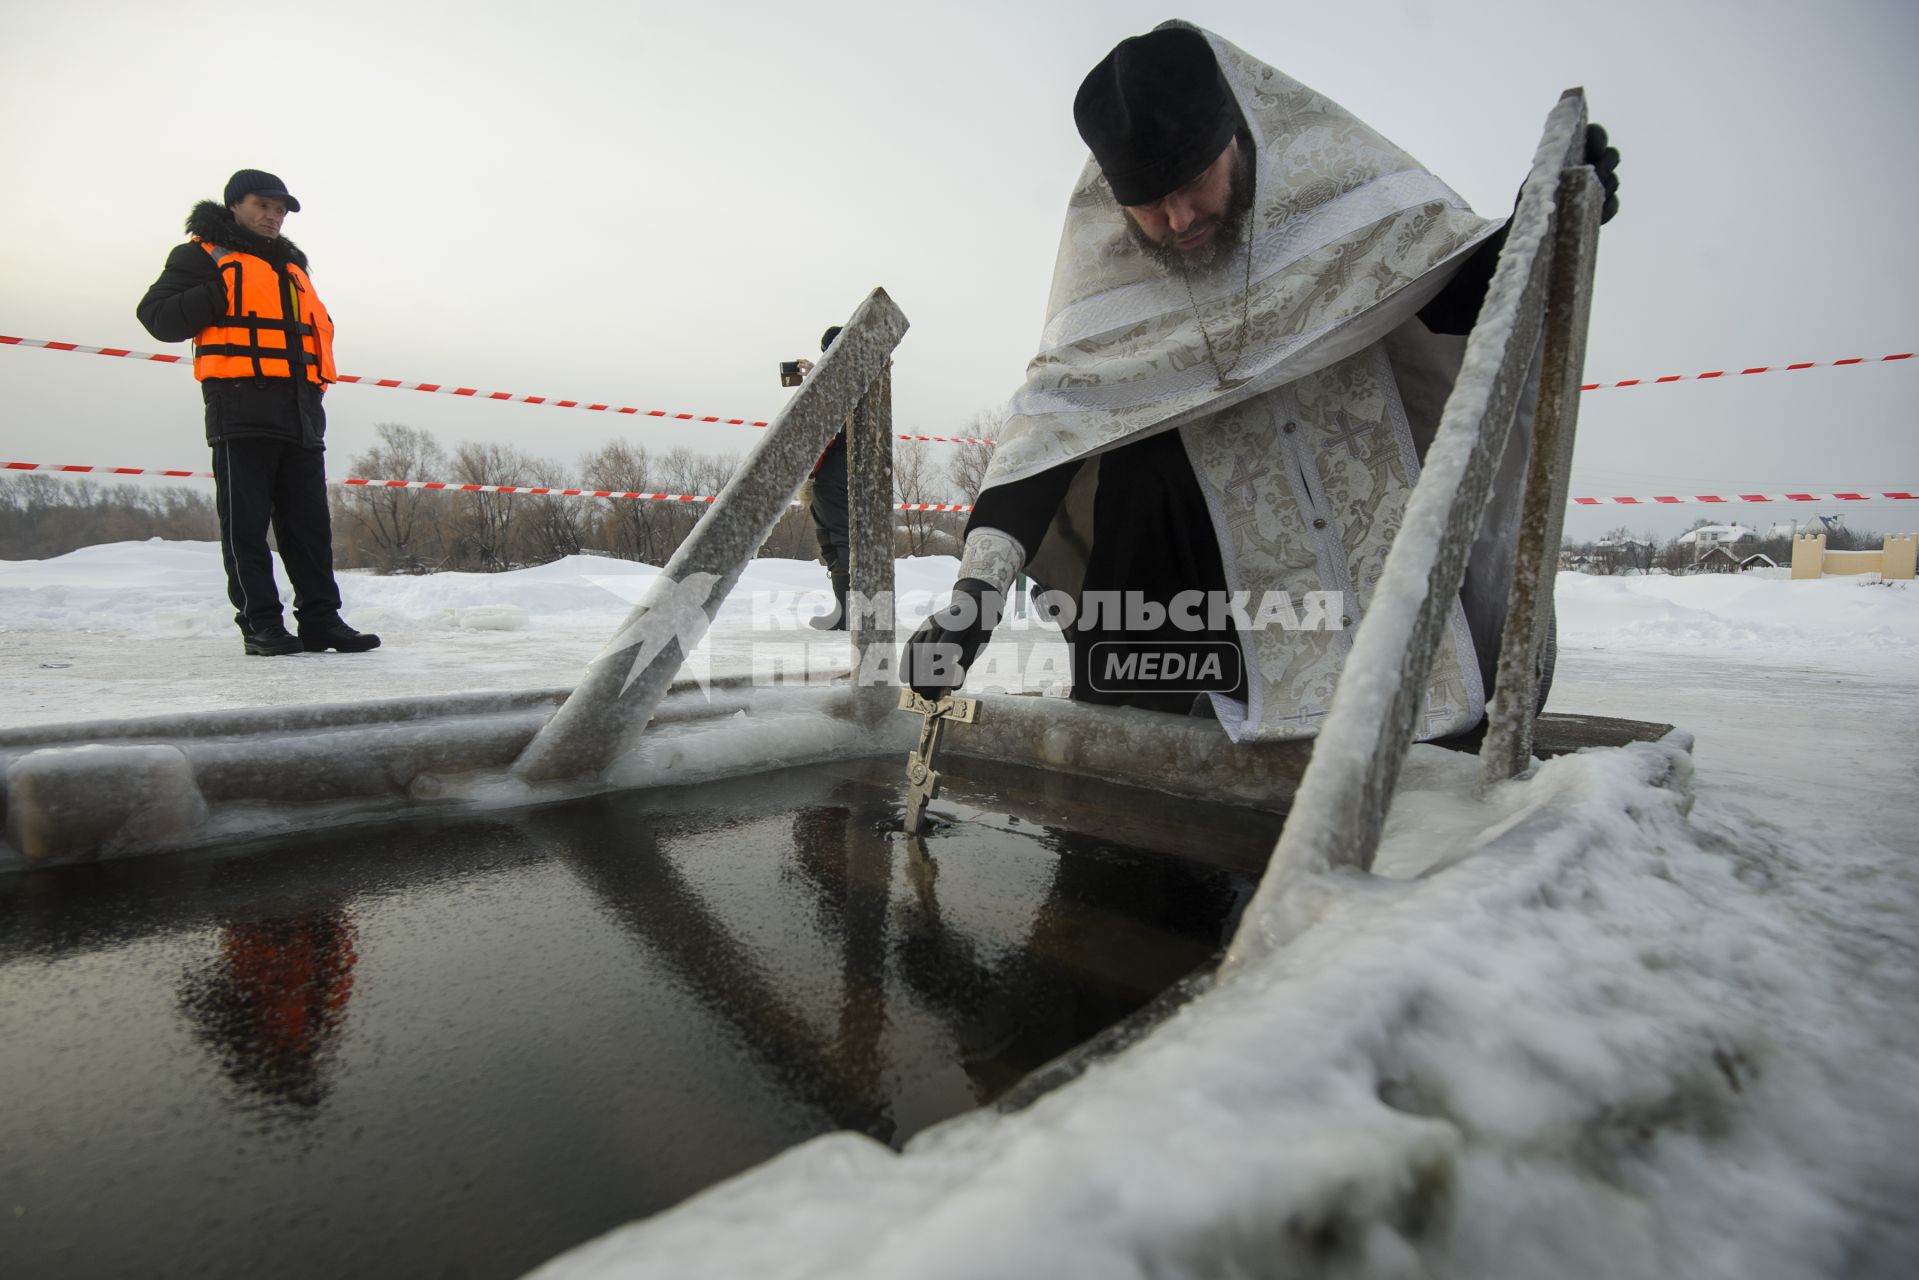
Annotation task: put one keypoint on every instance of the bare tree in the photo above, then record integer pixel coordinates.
(629, 527)
(487, 524)
(966, 464)
(642, 529)
(43, 515)
(911, 475)
(1645, 551)
(399, 530)
(1618, 551)
(688, 474)
(555, 527)
(1609, 553)
(677, 472)
(918, 476)
(792, 537)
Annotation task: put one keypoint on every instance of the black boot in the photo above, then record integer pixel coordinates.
(836, 620)
(269, 640)
(333, 633)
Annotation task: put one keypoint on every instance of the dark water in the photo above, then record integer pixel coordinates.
(455, 1047)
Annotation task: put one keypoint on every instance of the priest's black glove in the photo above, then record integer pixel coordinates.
(935, 660)
(1605, 163)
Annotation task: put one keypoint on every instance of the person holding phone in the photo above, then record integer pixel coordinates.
(826, 501)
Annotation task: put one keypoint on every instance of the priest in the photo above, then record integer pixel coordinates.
(1258, 309)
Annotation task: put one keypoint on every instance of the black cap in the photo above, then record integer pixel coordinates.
(258, 182)
(826, 339)
(1155, 112)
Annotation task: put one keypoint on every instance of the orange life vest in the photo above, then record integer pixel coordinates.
(251, 342)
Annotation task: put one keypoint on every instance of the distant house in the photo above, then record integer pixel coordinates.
(1718, 560)
(1758, 560)
(1718, 535)
(1811, 524)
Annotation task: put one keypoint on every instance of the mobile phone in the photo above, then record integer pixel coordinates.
(789, 373)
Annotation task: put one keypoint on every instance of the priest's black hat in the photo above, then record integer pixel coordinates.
(1155, 112)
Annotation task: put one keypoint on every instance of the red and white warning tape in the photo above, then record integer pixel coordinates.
(510, 397)
(1677, 500)
(448, 486)
(1657, 500)
(439, 388)
(1736, 373)
(49, 345)
(455, 487)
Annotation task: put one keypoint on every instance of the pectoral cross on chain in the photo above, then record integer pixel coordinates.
(922, 780)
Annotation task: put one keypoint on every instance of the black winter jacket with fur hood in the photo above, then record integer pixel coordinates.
(189, 296)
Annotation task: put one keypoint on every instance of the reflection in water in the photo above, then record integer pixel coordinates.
(940, 963)
(1114, 926)
(1112, 931)
(655, 902)
(271, 1002)
(846, 870)
(562, 1018)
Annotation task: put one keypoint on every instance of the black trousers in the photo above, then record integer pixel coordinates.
(1153, 538)
(262, 483)
(830, 521)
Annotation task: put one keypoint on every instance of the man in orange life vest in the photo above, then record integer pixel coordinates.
(263, 352)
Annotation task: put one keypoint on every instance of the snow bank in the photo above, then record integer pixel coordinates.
(142, 628)
(1811, 620)
(535, 628)
(158, 588)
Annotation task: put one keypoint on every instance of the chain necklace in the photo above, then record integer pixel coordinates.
(1223, 372)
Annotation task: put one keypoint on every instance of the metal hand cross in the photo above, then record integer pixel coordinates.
(923, 781)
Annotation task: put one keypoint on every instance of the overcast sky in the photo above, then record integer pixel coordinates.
(652, 205)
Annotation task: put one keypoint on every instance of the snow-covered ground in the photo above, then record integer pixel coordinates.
(130, 629)
(1672, 1044)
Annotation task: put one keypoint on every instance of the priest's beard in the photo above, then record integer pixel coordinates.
(1233, 224)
